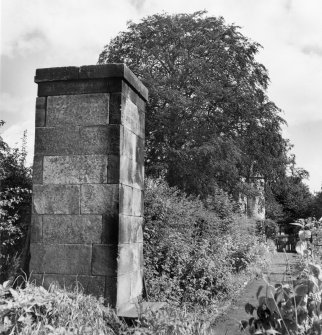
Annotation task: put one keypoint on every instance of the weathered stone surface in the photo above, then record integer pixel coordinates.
(72, 228)
(83, 109)
(100, 199)
(125, 262)
(119, 71)
(110, 229)
(131, 118)
(126, 197)
(56, 199)
(51, 88)
(123, 289)
(101, 71)
(104, 260)
(36, 228)
(81, 169)
(139, 155)
(111, 71)
(113, 169)
(56, 73)
(127, 170)
(93, 140)
(110, 290)
(115, 108)
(128, 143)
(37, 171)
(40, 120)
(137, 202)
(138, 181)
(136, 284)
(130, 258)
(60, 258)
(128, 92)
(130, 229)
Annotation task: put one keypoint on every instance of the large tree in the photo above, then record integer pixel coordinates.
(209, 120)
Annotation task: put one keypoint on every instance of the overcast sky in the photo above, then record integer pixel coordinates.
(49, 33)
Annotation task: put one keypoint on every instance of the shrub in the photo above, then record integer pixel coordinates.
(15, 207)
(193, 254)
(13, 229)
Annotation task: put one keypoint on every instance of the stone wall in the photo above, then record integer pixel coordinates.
(88, 180)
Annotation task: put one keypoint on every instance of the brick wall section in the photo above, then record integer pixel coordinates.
(88, 180)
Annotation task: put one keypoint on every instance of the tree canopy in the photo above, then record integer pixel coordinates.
(209, 120)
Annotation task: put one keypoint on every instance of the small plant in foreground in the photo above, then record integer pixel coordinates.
(292, 307)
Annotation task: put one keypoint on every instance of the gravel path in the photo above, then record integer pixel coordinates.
(228, 324)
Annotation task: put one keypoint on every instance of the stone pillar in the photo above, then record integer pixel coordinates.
(88, 181)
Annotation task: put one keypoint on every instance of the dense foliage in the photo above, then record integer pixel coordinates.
(15, 208)
(192, 253)
(291, 199)
(209, 121)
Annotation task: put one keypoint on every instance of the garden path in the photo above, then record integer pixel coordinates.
(281, 266)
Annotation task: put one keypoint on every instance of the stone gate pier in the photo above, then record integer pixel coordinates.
(88, 181)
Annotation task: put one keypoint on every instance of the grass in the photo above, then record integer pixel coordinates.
(35, 310)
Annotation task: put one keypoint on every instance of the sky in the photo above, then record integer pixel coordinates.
(49, 33)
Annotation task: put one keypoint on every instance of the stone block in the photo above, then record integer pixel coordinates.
(128, 143)
(81, 169)
(123, 289)
(138, 100)
(101, 71)
(115, 108)
(51, 88)
(142, 123)
(56, 73)
(136, 284)
(104, 261)
(127, 170)
(139, 155)
(92, 140)
(131, 118)
(36, 228)
(72, 229)
(40, 120)
(110, 290)
(113, 169)
(114, 71)
(61, 258)
(55, 199)
(126, 197)
(83, 109)
(125, 258)
(138, 179)
(100, 199)
(110, 229)
(37, 171)
(130, 229)
(137, 202)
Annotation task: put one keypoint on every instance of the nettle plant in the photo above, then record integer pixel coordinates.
(292, 307)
